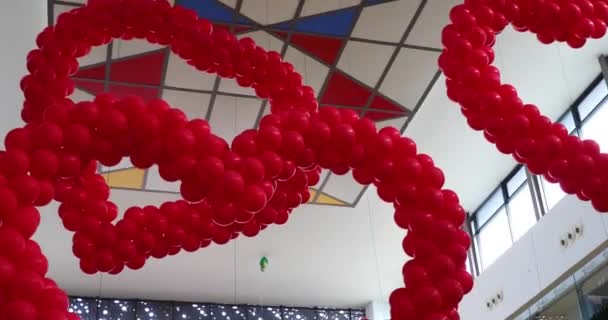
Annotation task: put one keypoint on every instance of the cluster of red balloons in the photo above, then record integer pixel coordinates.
(496, 109)
(227, 189)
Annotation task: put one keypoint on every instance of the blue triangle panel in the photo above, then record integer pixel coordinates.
(334, 23)
(209, 9)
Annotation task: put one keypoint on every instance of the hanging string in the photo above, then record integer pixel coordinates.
(374, 248)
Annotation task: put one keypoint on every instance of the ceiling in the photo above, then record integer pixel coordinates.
(338, 46)
(385, 52)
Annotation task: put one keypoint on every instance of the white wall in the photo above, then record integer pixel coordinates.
(537, 260)
(20, 22)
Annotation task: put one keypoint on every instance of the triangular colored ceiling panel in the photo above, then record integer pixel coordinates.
(323, 48)
(242, 29)
(213, 10)
(91, 87)
(146, 68)
(375, 2)
(381, 103)
(325, 198)
(129, 178)
(382, 116)
(146, 93)
(334, 23)
(342, 90)
(95, 71)
(379, 106)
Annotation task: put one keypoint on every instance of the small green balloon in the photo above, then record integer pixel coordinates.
(263, 264)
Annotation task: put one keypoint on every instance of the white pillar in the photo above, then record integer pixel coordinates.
(20, 21)
(378, 310)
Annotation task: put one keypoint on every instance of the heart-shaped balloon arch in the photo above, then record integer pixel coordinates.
(266, 172)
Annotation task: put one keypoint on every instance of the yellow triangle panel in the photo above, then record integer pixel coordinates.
(324, 198)
(132, 178)
(313, 193)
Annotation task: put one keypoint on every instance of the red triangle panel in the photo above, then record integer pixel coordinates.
(121, 91)
(145, 69)
(342, 90)
(381, 103)
(91, 87)
(378, 107)
(323, 48)
(96, 71)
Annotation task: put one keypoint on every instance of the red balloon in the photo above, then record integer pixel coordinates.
(251, 229)
(20, 309)
(26, 220)
(26, 188)
(44, 164)
(428, 296)
(7, 270)
(234, 183)
(224, 214)
(451, 291)
(46, 193)
(282, 216)
(267, 216)
(12, 242)
(253, 199)
(137, 263)
(269, 137)
(18, 138)
(415, 275)
(47, 135)
(15, 162)
(465, 280)
(253, 170)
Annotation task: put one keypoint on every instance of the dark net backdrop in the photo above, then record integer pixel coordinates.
(117, 309)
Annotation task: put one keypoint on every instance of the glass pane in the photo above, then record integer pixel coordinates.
(488, 208)
(264, 313)
(191, 311)
(224, 312)
(299, 314)
(595, 127)
(595, 294)
(566, 308)
(494, 238)
(84, 307)
(521, 212)
(339, 315)
(553, 193)
(152, 310)
(516, 181)
(592, 100)
(568, 121)
(357, 315)
(115, 309)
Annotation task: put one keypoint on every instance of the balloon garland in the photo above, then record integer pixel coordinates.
(495, 108)
(227, 190)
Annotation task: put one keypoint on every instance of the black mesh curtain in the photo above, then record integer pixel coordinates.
(116, 309)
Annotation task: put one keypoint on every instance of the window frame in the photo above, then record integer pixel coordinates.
(535, 184)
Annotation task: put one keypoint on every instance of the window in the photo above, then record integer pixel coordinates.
(553, 193)
(494, 238)
(594, 126)
(113, 309)
(521, 199)
(504, 217)
(565, 308)
(521, 212)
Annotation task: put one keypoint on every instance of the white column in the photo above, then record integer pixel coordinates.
(378, 310)
(20, 21)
